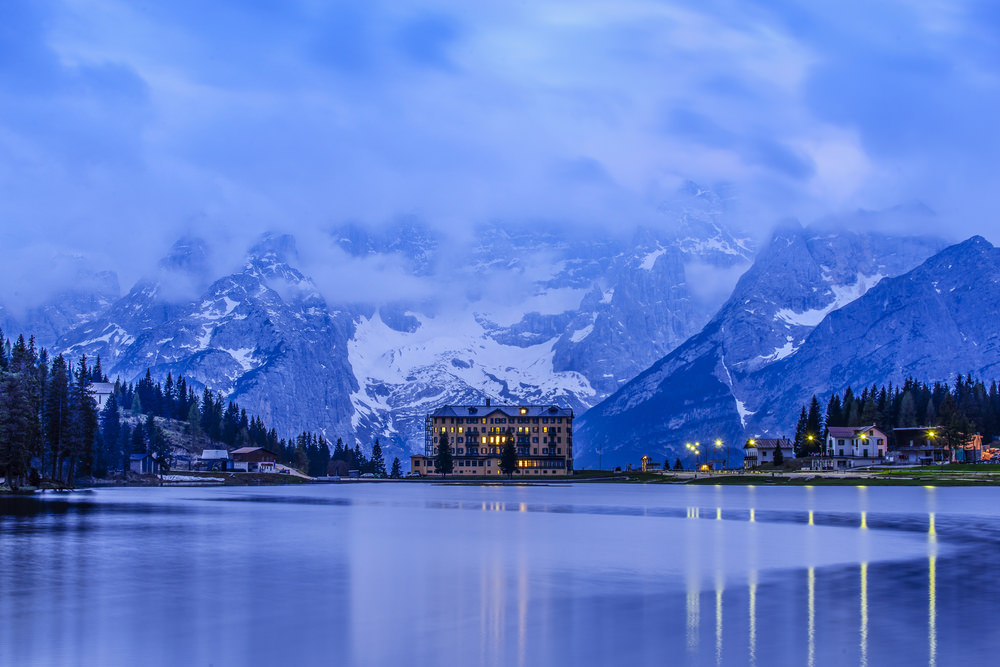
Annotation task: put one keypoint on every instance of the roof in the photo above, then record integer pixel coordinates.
(100, 387)
(214, 454)
(770, 443)
(506, 410)
(248, 450)
(139, 457)
(849, 431)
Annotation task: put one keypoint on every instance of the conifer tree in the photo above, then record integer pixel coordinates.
(508, 458)
(779, 457)
(801, 443)
(814, 427)
(56, 417)
(377, 462)
(678, 465)
(397, 471)
(443, 462)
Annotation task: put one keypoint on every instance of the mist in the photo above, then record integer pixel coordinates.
(124, 127)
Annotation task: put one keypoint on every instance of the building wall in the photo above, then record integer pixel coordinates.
(544, 443)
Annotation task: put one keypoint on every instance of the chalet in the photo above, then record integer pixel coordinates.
(849, 447)
(144, 464)
(100, 392)
(254, 459)
(759, 451)
(924, 445)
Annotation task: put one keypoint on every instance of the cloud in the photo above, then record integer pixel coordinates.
(121, 123)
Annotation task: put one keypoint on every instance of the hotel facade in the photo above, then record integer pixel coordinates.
(542, 435)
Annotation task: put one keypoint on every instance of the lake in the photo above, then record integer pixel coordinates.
(428, 574)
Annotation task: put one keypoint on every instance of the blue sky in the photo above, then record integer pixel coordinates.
(124, 124)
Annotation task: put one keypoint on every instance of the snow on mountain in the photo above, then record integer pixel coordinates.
(703, 390)
(521, 313)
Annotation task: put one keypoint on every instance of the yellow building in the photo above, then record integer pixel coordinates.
(542, 435)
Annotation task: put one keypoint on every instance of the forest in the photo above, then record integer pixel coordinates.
(50, 426)
(956, 410)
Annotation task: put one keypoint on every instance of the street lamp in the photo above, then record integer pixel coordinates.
(718, 445)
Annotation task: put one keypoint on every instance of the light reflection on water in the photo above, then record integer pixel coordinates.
(421, 574)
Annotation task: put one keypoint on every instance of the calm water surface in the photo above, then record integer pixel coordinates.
(420, 574)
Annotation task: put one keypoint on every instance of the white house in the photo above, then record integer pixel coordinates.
(852, 447)
(759, 451)
(100, 392)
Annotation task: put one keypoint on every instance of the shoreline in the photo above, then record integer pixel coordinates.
(900, 477)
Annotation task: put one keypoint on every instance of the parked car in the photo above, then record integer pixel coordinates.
(413, 473)
(368, 475)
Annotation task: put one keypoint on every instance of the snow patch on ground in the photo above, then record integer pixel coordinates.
(190, 478)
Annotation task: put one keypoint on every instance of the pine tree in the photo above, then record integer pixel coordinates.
(814, 427)
(779, 457)
(397, 470)
(444, 462)
(194, 421)
(508, 458)
(800, 443)
(359, 460)
(377, 462)
(678, 465)
(56, 417)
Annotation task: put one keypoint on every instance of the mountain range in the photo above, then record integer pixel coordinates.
(815, 314)
(541, 313)
(655, 335)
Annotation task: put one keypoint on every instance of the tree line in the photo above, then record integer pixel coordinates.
(956, 410)
(50, 425)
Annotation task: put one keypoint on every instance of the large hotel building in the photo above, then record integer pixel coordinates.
(543, 435)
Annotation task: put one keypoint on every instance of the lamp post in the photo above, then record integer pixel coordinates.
(718, 445)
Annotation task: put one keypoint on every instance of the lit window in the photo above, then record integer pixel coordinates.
(524, 411)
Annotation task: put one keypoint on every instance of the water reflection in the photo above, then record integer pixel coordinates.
(864, 615)
(811, 606)
(719, 587)
(752, 652)
(497, 576)
(931, 590)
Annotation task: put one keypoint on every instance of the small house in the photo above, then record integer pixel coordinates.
(100, 392)
(254, 459)
(214, 459)
(144, 464)
(759, 451)
(849, 447)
